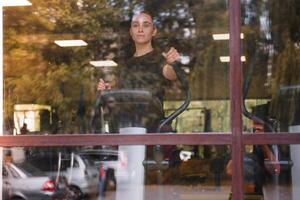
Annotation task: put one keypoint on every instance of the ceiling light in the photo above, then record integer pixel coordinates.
(104, 63)
(227, 58)
(224, 36)
(70, 43)
(15, 3)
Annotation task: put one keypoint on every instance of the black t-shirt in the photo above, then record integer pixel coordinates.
(143, 73)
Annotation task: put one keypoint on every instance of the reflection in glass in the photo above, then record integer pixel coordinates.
(40, 73)
(271, 71)
(267, 175)
(168, 172)
(110, 172)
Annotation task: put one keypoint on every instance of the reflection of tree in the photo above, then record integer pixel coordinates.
(44, 73)
(285, 26)
(271, 46)
(38, 71)
(286, 87)
(209, 76)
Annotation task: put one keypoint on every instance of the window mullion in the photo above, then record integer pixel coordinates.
(236, 99)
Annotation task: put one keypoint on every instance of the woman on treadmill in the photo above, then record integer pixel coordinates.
(147, 69)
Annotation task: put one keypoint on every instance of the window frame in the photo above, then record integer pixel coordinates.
(236, 138)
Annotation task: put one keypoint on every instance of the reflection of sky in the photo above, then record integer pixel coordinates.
(261, 12)
(249, 14)
(182, 13)
(138, 8)
(185, 59)
(264, 24)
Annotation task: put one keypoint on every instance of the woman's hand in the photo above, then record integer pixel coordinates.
(271, 162)
(171, 56)
(103, 86)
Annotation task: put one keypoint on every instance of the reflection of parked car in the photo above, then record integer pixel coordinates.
(112, 165)
(81, 175)
(113, 161)
(22, 181)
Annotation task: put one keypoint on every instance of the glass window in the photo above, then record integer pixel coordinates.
(50, 84)
(59, 54)
(140, 172)
(271, 70)
(270, 171)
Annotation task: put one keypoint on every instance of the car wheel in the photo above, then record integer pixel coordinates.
(75, 193)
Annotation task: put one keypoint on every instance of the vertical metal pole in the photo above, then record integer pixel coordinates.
(58, 169)
(134, 186)
(71, 168)
(1, 95)
(295, 171)
(236, 99)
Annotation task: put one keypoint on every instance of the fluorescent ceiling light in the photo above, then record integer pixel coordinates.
(104, 63)
(227, 58)
(70, 43)
(224, 36)
(15, 3)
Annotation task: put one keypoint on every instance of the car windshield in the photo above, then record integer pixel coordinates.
(29, 170)
(95, 158)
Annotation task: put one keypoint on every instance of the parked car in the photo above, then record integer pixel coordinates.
(82, 176)
(114, 162)
(112, 165)
(22, 181)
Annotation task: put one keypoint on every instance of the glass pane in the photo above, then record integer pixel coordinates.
(123, 172)
(51, 85)
(271, 172)
(271, 70)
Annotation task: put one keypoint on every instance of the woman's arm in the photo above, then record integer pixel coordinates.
(169, 72)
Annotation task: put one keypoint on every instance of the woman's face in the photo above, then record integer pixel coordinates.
(142, 29)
